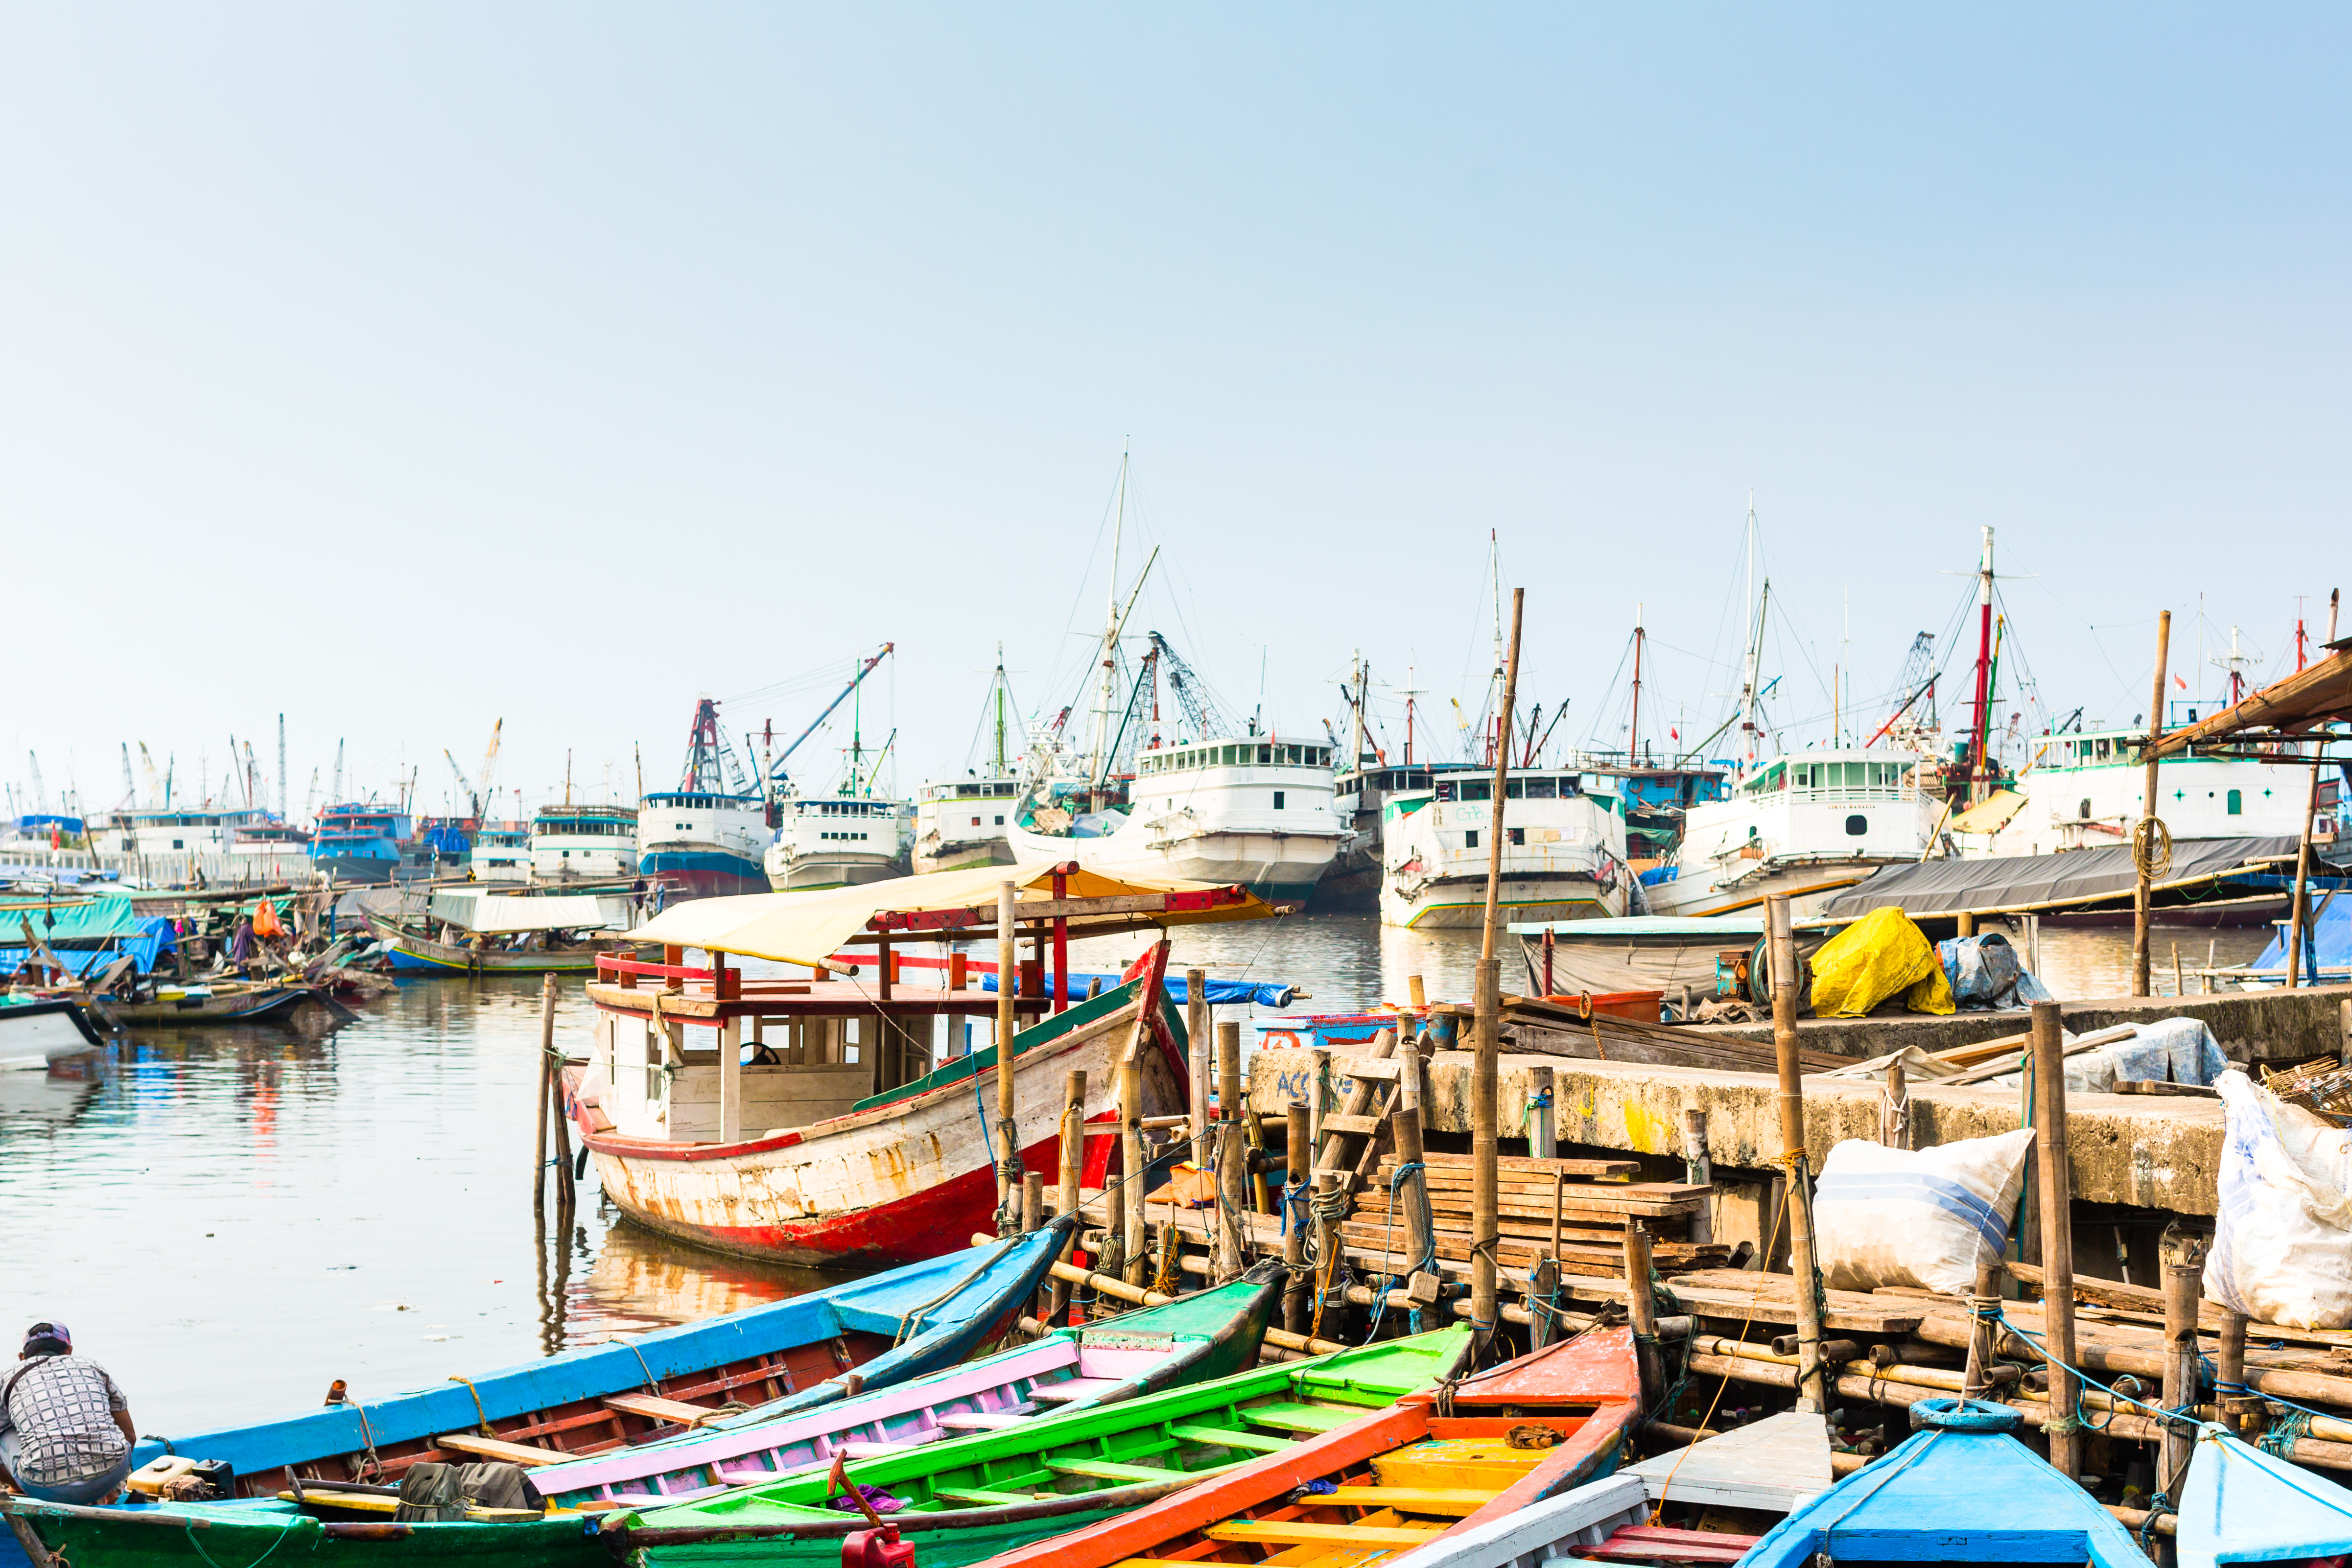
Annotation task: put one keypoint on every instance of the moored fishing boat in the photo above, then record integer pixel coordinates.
(1208, 1334)
(961, 823)
(1383, 1486)
(309, 1483)
(705, 837)
(2243, 1505)
(841, 1138)
(1563, 854)
(472, 931)
(583, 843)
(969, 1498)
(170, 1005)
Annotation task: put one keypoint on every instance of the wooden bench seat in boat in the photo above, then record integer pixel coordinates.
(969, 1498)
(866, 1447)
(1659, 1543)
(497, 1449)
(985, 1420)
(1069, 1388)
(655, 1408)
(1459, 1502)
(1304, 1531)
(1230, 1437)
(1110, 1470)
(1299, 1417)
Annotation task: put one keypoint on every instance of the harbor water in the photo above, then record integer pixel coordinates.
(230, 1220)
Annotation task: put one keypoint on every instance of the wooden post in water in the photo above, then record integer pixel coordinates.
(1008, 1135)
(1033, 1201)
(1300, 1158)
(1073, 1166)
(1543, 1137)
(1984, 1333)
(1641, 1308)
(2144, 837)
(2183, 1263)
(2055, 1180)
(1199, 1045)
(1485, 1153)
(1132, 1161)
(1327, 1236)
(547, 1101)
(1811, 1393)
(1412, 1199)
(2299, 914)
(1233, 1156)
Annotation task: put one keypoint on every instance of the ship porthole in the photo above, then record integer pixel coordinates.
(1857, 825)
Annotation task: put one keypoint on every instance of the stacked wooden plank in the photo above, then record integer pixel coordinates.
(1594, 1205)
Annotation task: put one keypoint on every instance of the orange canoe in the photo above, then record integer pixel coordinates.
(1392, 1480)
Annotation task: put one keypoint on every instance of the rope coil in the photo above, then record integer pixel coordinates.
(2152, 849)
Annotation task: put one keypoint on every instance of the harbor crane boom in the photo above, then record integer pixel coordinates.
(1193, 693)
(776, 768)
(156, 794)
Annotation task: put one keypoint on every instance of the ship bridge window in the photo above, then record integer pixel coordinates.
(1543, 789)
(1477, 788)
(2103, 746)
(1515, 788)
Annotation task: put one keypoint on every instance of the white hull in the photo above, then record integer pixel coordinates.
(789, 872)
(961, 854)
(1808, 824)
(1273, 865)
(1567, 864)
(2079, 798)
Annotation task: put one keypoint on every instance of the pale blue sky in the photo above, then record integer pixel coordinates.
(404, 367)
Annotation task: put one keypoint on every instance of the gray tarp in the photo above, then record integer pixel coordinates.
(1636, 954)
(1940, 887)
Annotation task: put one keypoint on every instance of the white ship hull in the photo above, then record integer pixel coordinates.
(1564, 860)
(1808, 825)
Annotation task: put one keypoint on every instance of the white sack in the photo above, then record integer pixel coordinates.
(1922, 1218)
(2283, 1240)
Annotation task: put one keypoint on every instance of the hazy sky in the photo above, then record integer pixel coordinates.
(404, 368)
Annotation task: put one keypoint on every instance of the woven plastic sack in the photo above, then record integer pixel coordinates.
(1920, 1217)
(1880, 956)
(2282, 1239)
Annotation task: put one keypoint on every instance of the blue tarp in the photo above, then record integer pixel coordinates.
(2331, 933)
(1221, 993)
(1987, 976)
(145, 939)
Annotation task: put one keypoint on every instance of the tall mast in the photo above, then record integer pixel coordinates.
(281, 767)
(1356, 730)
(1497, 743)
(1002, 766)
(1977, 774)
(1750, 710)
(1411, 692)
(1097, 762)
(1634, 728)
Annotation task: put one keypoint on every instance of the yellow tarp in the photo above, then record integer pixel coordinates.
(810, 927)
(1879, 956)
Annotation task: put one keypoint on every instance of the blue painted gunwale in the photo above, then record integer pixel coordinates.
(962, 1297)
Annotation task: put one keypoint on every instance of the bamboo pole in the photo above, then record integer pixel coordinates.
(543, 1102)
(1811, 1396)
(1137, 1295)
(1198, 1045)
(2230, 1372)
(2300, 914)
(1410, 1193)
(2150, 821)
(1073, 1164)
(1008, 1141)
(1131, 1163)
(2056, 1182)
(2181, 1366)
(1485, 1232)
(1233, 1156)
(1033, 1201)
(1698, 1170)
(1326, 1235)
(1294, 1231)
(1642, 1309)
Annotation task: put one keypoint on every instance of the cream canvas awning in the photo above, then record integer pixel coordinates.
(810, 927)
(495, 914)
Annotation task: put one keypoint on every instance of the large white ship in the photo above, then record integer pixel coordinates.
(961, 823)
(838, 840)
(1564, 849)
(1808, 824)
(585, 843)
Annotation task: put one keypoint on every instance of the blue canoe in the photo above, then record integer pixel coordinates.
(2240, 1505)
(1959, 1490)
(786, 1356)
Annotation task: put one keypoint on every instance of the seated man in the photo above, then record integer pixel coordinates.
(65, 1427)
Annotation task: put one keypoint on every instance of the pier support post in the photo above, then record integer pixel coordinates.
(1698, 1170)
(2299, 922)
(1200, 1044)
(1233, 1156)
(2184, 1264)
(545, 1100)
(2144, 836)
(1008, 1135)
(2056, 1181)
(1298, 1156)
(1410, 1196)
(1132, 1161)
(1484, 1155)
(1543, 1135)
(1073, 1166)
(1812, 1395)
(1641, 1308)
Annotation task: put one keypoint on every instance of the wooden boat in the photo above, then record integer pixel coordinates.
(2241, 1505)
(789, 1355)
(1509, 1437)
(1960, 1489)
(41, 1034)
(1208, 1334)
(1770, 1467)
(506, 948)
(844, 1169)
(968, 1498)
(173, 1006)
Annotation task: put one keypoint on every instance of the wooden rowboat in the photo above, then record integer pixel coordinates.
(969, 1497)
(226, 1003)
(1382, 1487)
(895, 1174)
(1208, 1334)
(1960, 1489)
(2241, 1505)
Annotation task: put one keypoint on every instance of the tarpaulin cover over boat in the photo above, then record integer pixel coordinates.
(2078, 876)
(85, 934)
(2331, 934)
(809, 927)
(499, 912)
(1637, 953)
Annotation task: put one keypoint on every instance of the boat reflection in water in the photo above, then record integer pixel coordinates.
(640, 1279)
(46, 1097)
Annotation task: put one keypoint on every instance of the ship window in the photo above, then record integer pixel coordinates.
(2102, 744)
(1518, 835)
(176, 845)
(2237, 802)
(1446, 790)
(1477, 788)
(1277, 799)
(1470, 840)
(975, 822)
(1545, 789)
(1515, 788)
(999, 822)
(2086, 808)
(1857, 825)
(1264, 755)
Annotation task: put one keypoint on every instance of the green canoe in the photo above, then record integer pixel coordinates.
(243, 1534)
(969, 1498)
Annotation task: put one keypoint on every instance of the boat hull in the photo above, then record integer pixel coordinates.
(1460, 903)
(234, 1535)
(703, 873)
(365, 871)
(807, 873)
(906, 1180)
(258, 1006)
(962, 854)
(1276, 866)
(42, 1034)
(1809, 889)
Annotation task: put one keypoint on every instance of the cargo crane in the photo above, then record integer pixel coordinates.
(1193, 693)
(158, 794)
(478, 790)
(777, 775)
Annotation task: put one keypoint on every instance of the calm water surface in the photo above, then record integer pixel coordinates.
(231, 1218)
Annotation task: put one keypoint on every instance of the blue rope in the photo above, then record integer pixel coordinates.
(980, 1107)
(1427, 1264)
(2184, 1414)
